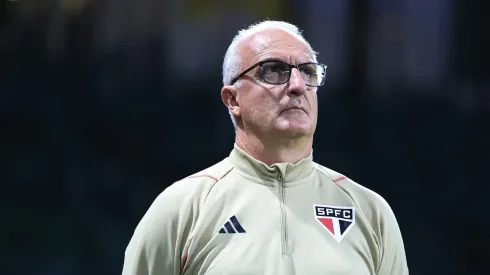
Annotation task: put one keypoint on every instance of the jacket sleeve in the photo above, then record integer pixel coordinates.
(157, 244)
(393, 259)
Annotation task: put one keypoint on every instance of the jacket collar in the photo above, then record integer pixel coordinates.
(289, 172)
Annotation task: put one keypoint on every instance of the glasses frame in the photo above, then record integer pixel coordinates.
(291, 67)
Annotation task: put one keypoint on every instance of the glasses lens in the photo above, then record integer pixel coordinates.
(275, 72)
(313, 74)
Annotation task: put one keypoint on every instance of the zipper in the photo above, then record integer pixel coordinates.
(284, 228)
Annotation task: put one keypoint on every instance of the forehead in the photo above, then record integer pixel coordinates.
(277, 44)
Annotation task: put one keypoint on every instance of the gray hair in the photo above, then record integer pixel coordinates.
(233, 62)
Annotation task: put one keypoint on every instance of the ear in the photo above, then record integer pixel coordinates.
(229, 98)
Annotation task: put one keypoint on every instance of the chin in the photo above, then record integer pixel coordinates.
(297, 130)
(296, 126)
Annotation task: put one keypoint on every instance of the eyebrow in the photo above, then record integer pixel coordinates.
(281, 60)
(272, 59)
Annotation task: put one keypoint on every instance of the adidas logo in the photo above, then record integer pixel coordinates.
(232, 226)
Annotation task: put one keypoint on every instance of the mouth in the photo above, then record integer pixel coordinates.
(295, 108)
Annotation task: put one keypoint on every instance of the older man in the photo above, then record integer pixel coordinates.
(268, 208)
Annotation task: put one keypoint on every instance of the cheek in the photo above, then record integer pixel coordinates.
(259, 105)
(313, 101)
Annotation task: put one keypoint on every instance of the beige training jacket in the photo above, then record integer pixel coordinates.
(242, 217)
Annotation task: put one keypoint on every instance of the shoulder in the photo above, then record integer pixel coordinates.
(178, 206)
(196, 186)
(169, 221)
(371, 204)
(203, 179)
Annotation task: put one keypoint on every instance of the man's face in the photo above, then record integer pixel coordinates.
(288, 109)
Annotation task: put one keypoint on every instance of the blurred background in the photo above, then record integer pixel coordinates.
(103, 104)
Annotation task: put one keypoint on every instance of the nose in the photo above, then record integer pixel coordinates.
(296, 85)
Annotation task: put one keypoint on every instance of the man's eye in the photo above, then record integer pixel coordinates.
(309, 70)
(272, 70)
(306, 72)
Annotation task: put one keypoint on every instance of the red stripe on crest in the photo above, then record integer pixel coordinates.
(328, 223)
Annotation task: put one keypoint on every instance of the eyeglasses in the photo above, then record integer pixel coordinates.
(277, 72)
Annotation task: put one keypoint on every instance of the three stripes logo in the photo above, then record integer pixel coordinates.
(232, 226)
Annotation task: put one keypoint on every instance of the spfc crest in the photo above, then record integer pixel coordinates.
(337, 220)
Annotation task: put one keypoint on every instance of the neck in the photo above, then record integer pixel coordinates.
(278, 150)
